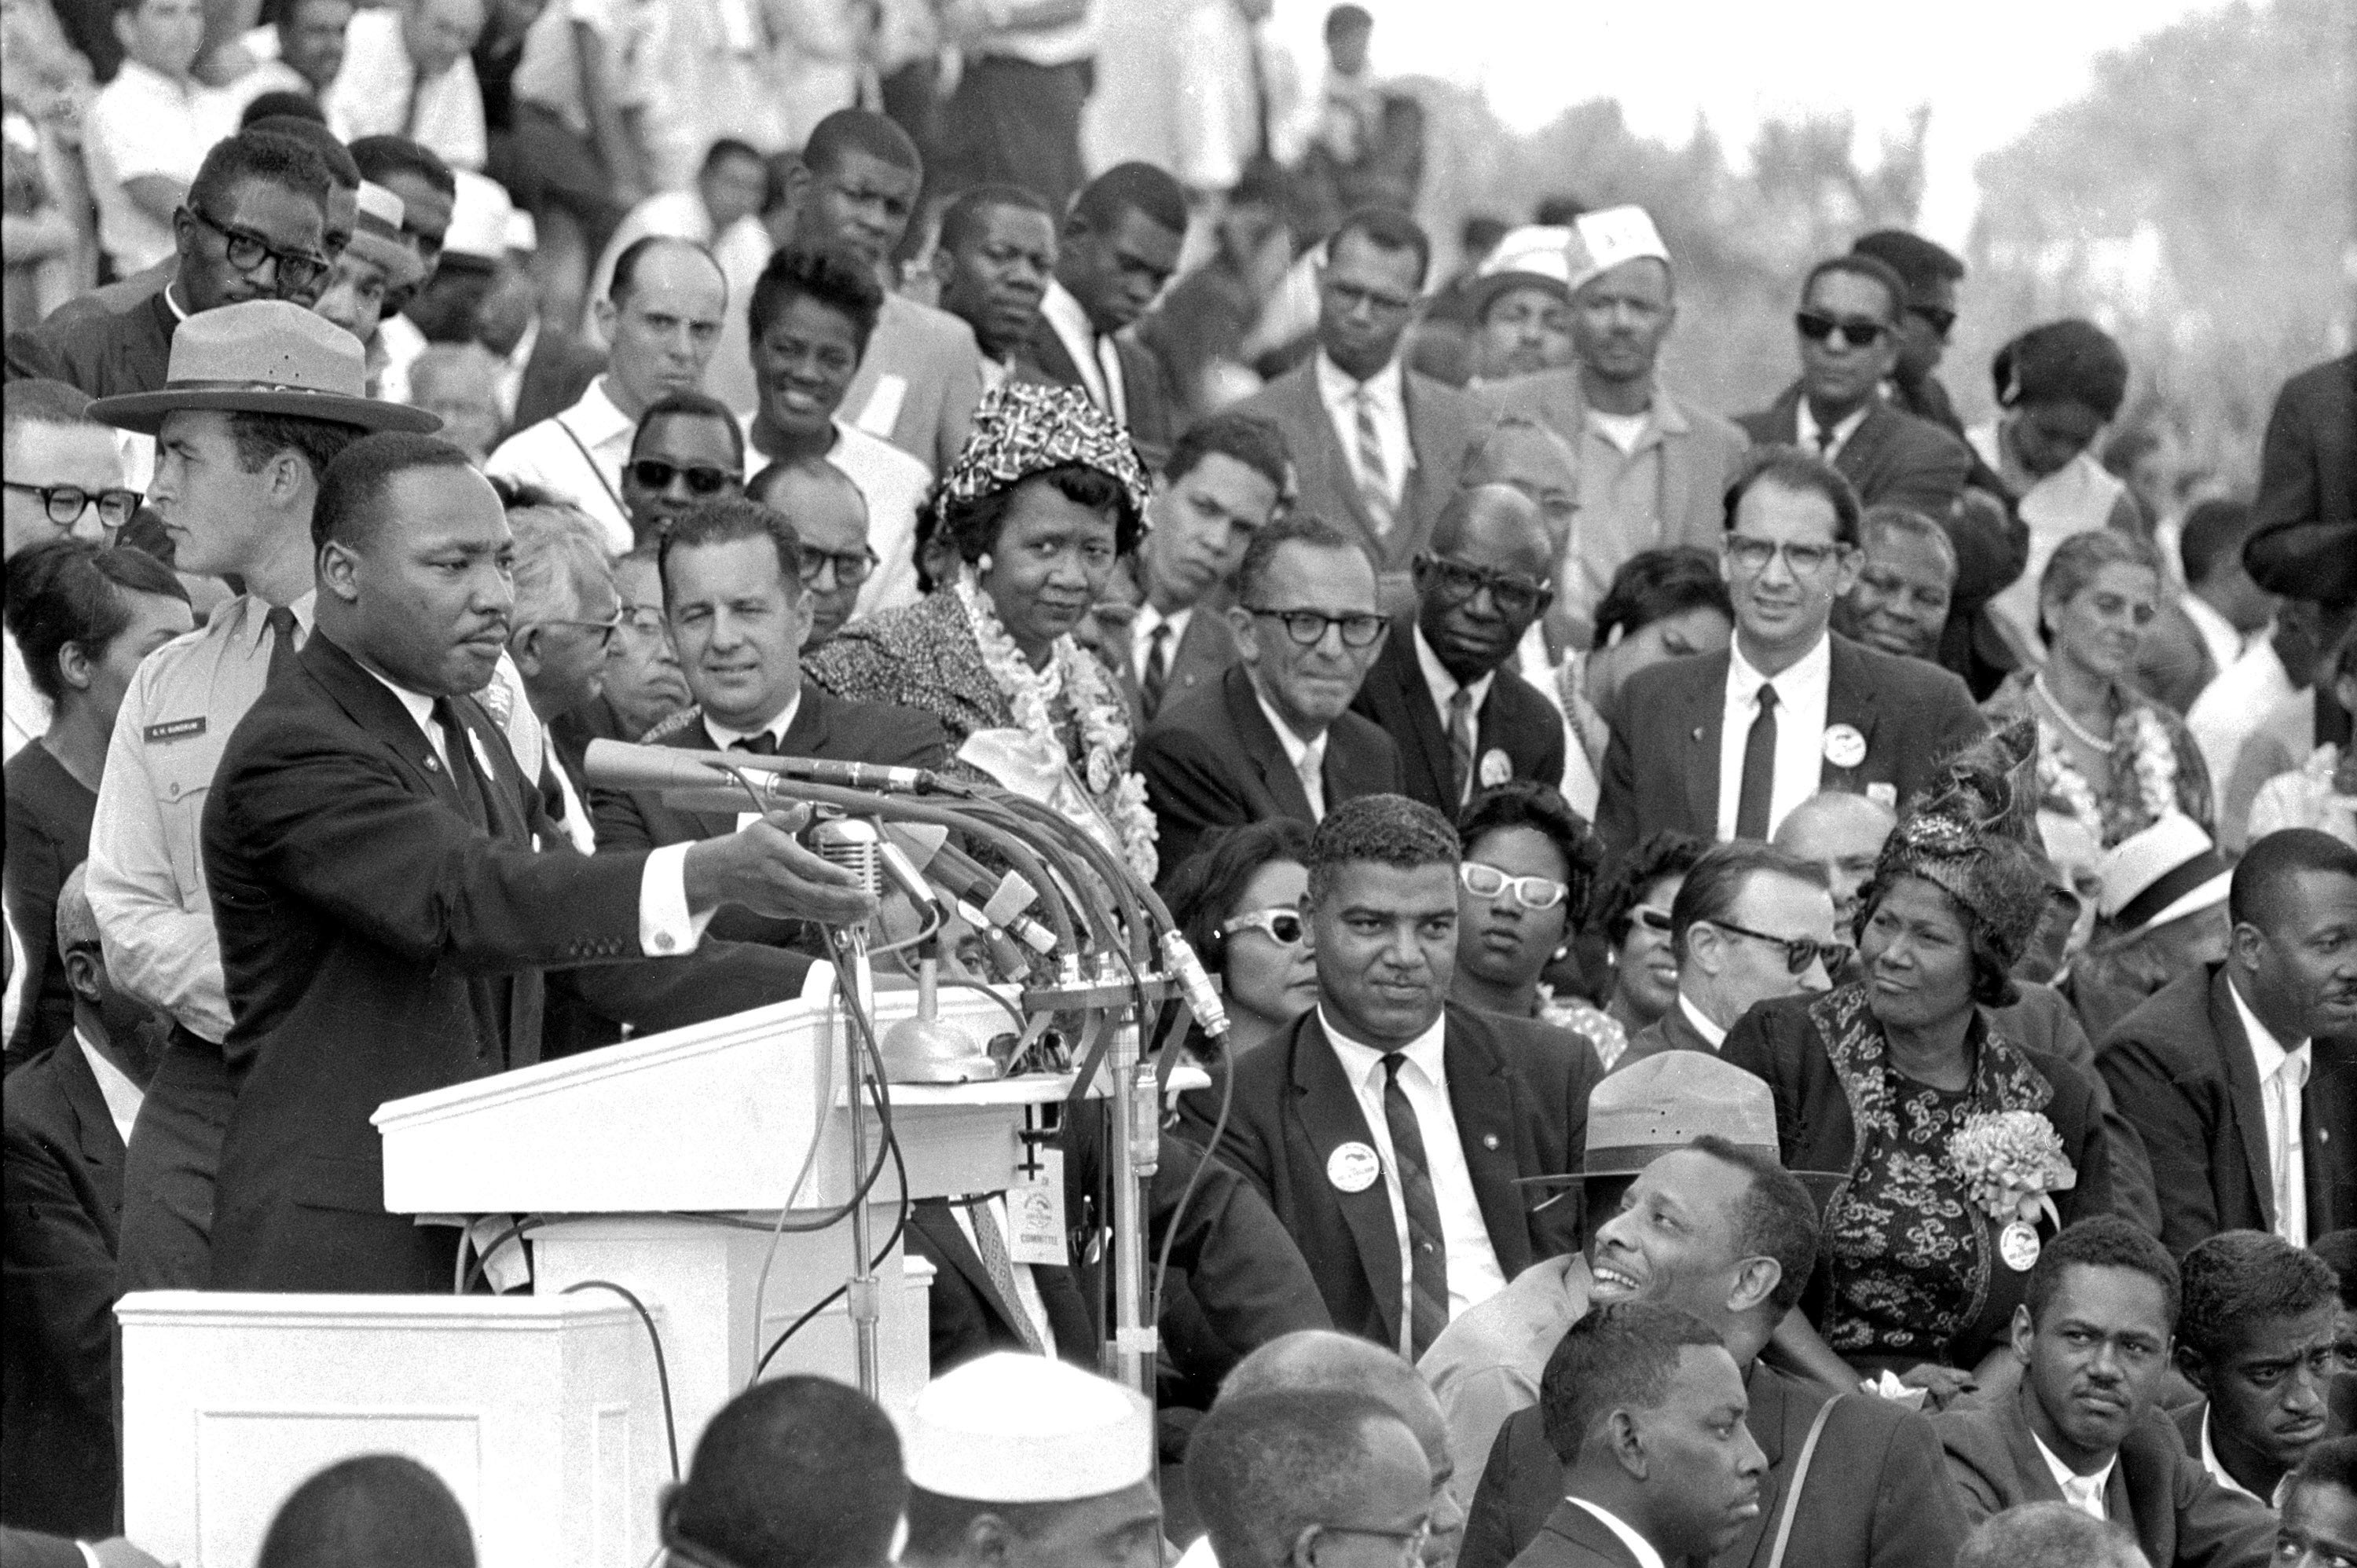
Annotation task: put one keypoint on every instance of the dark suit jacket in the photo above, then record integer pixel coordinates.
(1206, 651)
(1518, 1091)
(1892, 456)
(61, 1178)
(968, 1317)
(2180, 1070)
(375, 944)
(104, 352)
(2180, 1515)
(1661, 769)
(1673, 1031)
(2044, 1019)
(48, 815)
(1514, 719)
(1876, 1495)
(1574, 1538)
(2303, 539)
(31, 1549)
(559, 371)
(1441, 424)
(1157, 412)
(1212, 760)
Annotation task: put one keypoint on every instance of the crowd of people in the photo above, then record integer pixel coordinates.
(1792, 976)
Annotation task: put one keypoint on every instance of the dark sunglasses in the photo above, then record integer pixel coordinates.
(1307, 628)
(1457, 583)
(65, 503)
(1799, 951)
(247, 251)
(1653, 920)
(654, 473)
(1856, 332)
(1939, 321)
(1283, 926)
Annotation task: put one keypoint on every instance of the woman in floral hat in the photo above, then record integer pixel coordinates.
(2107, 754)
(1964, 1151)
(1047, 494)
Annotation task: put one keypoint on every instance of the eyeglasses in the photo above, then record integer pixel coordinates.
(851, 568)
(642, 617)
(1529, 892)
(1307, 628)
(1799, 951)
(248, 250)
(654, 473)
(1456, 582)
(65, 503)
(1939, 321)
(607, 630)
(1752, 555)
(1411, 1542)
(1856, 332)
(1283, 926)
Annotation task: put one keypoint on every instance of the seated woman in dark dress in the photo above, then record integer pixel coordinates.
(1926, 1247)
(84, 617)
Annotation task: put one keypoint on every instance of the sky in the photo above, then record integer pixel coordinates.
(1987, 69)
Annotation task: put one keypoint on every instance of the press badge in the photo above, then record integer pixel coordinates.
(1034, 1213)
(175, 729)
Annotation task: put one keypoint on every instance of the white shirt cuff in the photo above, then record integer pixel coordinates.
(666, 927)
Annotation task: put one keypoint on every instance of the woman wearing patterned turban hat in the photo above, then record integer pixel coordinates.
(1048, 493)
(1916, 1274)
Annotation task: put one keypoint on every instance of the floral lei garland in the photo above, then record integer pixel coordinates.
(2153, 761)
(1100, 713)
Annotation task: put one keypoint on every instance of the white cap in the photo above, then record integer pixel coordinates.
(1015, 1428)
(1535, 253)
(2164, 873)
(478, 218)
(1602, 240)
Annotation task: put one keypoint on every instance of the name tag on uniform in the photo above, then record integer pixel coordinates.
(176, 729)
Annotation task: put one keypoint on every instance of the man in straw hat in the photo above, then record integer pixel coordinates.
(1711, 1225)
(1017, 1460)
(1520, 304)
(378, 263)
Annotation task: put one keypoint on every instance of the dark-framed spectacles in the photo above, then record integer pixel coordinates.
(1531, 891)
(1458, 581)
(1307, 628)
(702, 480)
(1942, 322)
(65, 503)
(1857, 331)
(851, 567)
(248, 250)
(607, 630)
(1799, 951)
(1802, 560)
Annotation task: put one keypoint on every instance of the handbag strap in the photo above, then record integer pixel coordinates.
(1800, 1479)
(595, 472)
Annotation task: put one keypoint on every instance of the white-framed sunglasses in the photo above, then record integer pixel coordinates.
(1283, 926)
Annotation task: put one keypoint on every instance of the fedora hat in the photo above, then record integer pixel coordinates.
(1665, 1101)
(264, 356)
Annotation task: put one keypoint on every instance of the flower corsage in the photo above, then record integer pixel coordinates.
(2014, 1163)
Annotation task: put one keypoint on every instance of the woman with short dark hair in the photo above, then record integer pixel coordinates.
(1662, 604)
(1238, 903)
(1523, 890)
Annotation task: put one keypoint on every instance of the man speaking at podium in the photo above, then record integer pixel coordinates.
(388, 891)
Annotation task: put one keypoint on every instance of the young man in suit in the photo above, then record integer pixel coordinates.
(1119, 248)
(1220, 487)
(1273, 735)
(2239, 1075)
(2081, 1428)
(387, 892)
(1444, 687)
(1375, 445)
(1388, 1128)
(1701, 745)
(2255, 1336)
(1641, 1400)
(995, 261)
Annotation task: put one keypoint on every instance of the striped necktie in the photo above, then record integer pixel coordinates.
(1428, 1244)
(1374, 477)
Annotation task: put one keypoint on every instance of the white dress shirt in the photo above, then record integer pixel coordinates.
(1701, 1022)
(2084, 1493)
(1386, 392)
(2225, 1477)
(2218, 633)
(1802, 693)
(1639, 1547)
(1805, 426)
(1096, 358)
(377, 94)
(723, 737)
(1474, 1276)
(2283, 1075)
(1444, 687)
(115, 1087)
(1307, 758)
(143, 122)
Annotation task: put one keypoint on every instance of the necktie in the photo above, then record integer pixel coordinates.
(990, 1242)
(1157, 673)
(1759, 771)
(2085, 1493)
(1374, 478)
(474, 795)
(2286, 1159)
(1825, 442)
(1311, 771)
(762, 745)
(284, 642)
(1461, 742)
(1428, 1245)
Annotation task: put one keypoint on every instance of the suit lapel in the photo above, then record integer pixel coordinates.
(1404, 702)
(1327, 1107)
(371, 704)
(101, 1146)
(2028, 1464)
(1333, 464)
(1705, 716)
(2242, 1090)
(1849, 700)
(1859, 454)
(941, 1229)
(1482, 1097)
(1262, 745)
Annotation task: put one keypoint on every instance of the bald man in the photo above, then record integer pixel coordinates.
(1521, 452)
(1445, 688)
(1842, 833)
(830, 518)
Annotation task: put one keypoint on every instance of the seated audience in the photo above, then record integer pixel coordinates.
(1273, 1475)
(1841, 835)
(1634, 923)
(2321, 792)
(1530, 864)
(84, 617)
(377, 1510)
(2049, 1535)
(1906, 575)
(1749, 924)
(1662, 604)
(688, 449)
(2256, 1335)
(2092, 1333)
(798, 1472)
(830, 517)
(2162, 914)
(1276, 735)
(1237, 900)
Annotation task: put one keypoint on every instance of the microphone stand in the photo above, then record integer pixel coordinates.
(852, 843)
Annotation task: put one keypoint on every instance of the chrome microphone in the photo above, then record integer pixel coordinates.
(853, 844)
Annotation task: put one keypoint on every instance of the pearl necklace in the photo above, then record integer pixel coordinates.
(2063, 715)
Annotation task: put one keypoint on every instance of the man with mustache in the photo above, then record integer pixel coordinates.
(2082, 1429)
(2256, 1338)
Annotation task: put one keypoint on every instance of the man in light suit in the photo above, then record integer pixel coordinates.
(1699, 746)
(1375, 445)
(1387, 1128)
(387, 891)
(1119, 247)
(921, 373)
(1273, 735)
(1444, 687)
(2241, 1076)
